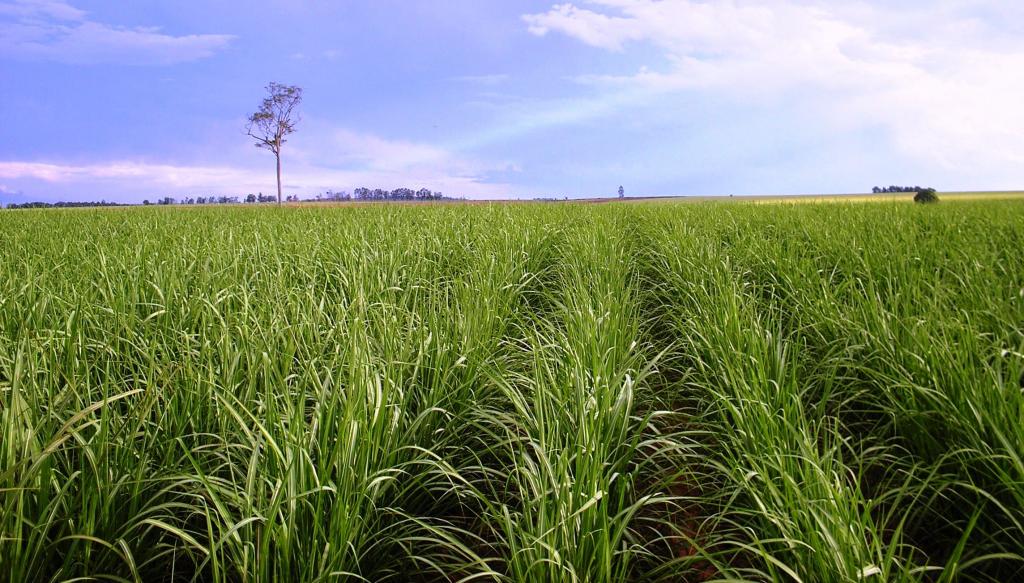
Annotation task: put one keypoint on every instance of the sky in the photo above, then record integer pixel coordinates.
(128, 100)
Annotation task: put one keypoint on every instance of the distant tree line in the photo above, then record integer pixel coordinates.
(332, 195)
(248, 199)
(62, 204)
(358, 194)
(265, 198)
(396, 194)
(170, 200)
(893, 189)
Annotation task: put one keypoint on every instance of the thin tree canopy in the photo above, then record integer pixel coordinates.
(277, 117)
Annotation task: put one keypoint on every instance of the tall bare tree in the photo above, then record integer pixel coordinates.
(275, 119)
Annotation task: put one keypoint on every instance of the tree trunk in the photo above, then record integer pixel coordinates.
(278, 179)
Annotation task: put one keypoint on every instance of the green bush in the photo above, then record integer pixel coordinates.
(927, 195)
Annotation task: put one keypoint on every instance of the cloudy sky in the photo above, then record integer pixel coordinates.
(126, 100)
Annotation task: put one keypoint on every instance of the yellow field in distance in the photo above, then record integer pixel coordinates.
(885, 197)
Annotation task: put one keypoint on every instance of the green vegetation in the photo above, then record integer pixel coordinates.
(513, 393)
(926, 196)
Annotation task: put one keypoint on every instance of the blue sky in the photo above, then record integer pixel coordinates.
(489, 98)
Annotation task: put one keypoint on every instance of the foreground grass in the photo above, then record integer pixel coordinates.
(523, 393)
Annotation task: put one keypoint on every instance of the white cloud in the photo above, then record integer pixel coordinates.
(138, 179)
(331, 159)
(166, 174)
(940, 81)
(321, 144)
(594, 28)
(54, 30)
(41, 8)
(389, 155)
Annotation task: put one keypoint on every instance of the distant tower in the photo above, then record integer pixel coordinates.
(622, 192)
